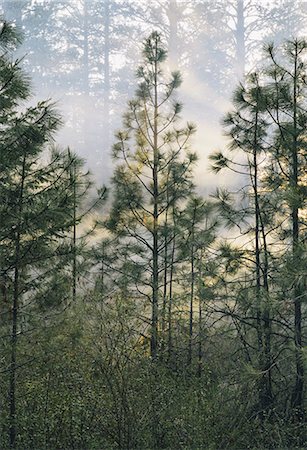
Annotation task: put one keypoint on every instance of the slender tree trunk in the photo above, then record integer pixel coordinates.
(172, 14)
(106, 84)
(155, 269)
(263, 318)
(240, 39)
(200, 317)
(257, 249)
(12, 388)
(297, 396)
(13, 366)
(192, 263)
(170, 301)
(86, 50)
(165, 274)
(74, 237)
(88, 106)
(165, 282)
(166, 267)
(267, 322)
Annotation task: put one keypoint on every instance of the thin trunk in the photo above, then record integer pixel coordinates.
(200, 318)
(86, 50)
(297, 396)
(155, 274)
(172, 13)
(74, 238)
(107, 84)
(267, 322)
(13, 366)
(170, 301)
(264, 335)
(192, 263)
(165, 275)
(240, 40)
(88, 127)
(257, 247)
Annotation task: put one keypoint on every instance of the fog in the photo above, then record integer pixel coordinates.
(83, 54)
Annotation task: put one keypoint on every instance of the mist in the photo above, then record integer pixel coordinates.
(83, 54)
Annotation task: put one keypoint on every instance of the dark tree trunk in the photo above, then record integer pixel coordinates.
(155, 270)
(200, 318)
(263, 318)
(267, 324)
(192, 285)
(13, 366)
(166, 268)
(297, 396)
(170, 301)
(74, 237)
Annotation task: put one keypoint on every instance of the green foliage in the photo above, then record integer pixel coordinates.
(162, 333)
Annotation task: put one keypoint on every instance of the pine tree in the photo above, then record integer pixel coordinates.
(247, 128)
(198, 225)
(149, 147)
(269, 126)
(286, 106)
(37, 210)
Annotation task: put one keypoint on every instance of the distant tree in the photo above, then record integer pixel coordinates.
(227, 38)
(173, 18)
(72, 51)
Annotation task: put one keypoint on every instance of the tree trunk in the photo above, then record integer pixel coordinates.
(263, 319)
(74, 237)
(106, 84)
(170, 301)
(86, 50)
(13, 366)
(155, 269)
(240, 40)
(172, 14)
(267, 324)
(165, 272)
(192, 262)
(200, 318)
(297, 396)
